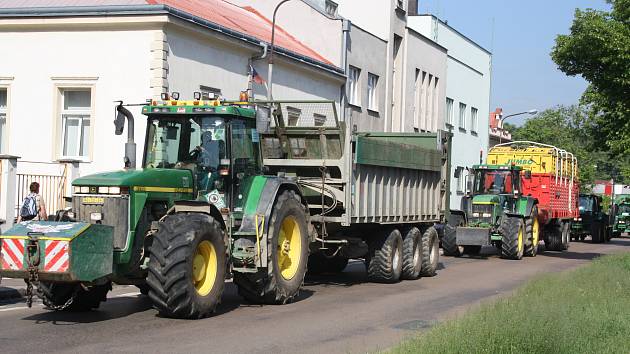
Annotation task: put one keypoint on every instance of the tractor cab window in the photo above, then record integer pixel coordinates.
(586, 204)
(495, 182)
(197, 144)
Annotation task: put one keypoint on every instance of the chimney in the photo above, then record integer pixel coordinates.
(412, 7)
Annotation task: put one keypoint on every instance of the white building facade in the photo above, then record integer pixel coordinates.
(467, 102)
(61, 73)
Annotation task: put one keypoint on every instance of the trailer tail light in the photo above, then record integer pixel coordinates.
(224, 172)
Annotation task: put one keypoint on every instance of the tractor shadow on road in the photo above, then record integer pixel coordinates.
(586, 256)
(353, 274)
(112, 309)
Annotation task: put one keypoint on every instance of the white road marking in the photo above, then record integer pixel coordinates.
(2, 309)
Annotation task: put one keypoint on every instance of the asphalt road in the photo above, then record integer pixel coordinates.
(334, 314)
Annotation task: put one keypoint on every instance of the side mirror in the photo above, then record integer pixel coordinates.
(528, 174)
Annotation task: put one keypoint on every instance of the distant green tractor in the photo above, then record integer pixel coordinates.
(592, 221)
(621, 222)
(495, 213)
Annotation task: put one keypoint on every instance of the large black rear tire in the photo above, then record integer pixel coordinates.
(412, 254)
(385, 261)
(596, 232)
(187, 266)
(287, 260)
(55, 295)
(430, 252)
(512, 231)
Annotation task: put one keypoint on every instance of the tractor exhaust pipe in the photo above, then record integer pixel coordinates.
(130, 145)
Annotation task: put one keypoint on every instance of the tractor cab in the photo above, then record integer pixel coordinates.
(216, 142)
(491, 190)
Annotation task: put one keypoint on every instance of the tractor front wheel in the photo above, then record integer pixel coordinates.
(287, 258)
(187, 266)
(512, 237)
(532, 230)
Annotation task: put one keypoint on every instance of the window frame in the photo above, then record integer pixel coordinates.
(462, 115)
(354, 93)
(4, 126)
(450, 113)
(372, 94)
(58, 142)
(474, 119)
(461, 180)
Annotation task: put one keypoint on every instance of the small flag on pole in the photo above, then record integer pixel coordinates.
(256, 76)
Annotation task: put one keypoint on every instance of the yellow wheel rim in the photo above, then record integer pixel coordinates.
(204, 267)
(535, 232)
(289, 247)
(520, 239)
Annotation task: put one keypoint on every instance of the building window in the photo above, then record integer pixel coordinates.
(293, 116)
(353, 86)
(319, 119)
(462, 115)
(461, 180)
(449, 111)
(209, 93)
(372, 95)
(3, 118)
(76, 117)
(473, 119)
(331, 8)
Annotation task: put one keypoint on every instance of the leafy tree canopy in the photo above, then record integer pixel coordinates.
(598, 49)
(570, 128)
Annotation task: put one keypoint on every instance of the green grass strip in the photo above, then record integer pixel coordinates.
(583, 311)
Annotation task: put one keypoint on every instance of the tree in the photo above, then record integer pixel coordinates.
(569, 128)
(598, 49)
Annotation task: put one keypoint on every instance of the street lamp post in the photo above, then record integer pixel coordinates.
(530, 112)
(273, 37)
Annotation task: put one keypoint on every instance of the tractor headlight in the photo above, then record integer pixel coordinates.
(486, 215)
(84, 189)
(108, 190)
(76, 189)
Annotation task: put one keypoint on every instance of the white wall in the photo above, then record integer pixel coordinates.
(372, 15)
(468, 81)
(195, 60)
(305, 24)
(115, 62)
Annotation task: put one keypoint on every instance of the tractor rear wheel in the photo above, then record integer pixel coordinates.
(596, 233)
(430, 252)
(72, 297)
(412, 254)
(187, 266)
(385, 260)
(287, 260)
(532, 231)
(512, 237)
(319, 263)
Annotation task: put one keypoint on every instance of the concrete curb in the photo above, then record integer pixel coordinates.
(11, 293)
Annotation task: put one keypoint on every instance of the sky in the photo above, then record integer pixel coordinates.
(524, 76)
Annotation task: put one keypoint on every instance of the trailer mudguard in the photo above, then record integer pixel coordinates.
(61, 251)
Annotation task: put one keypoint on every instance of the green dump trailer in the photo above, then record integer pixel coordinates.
(242, 190)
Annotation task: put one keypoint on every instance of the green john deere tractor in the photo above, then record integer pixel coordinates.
(494, 212)
(621, 209)
(198, 210)
(592, 221)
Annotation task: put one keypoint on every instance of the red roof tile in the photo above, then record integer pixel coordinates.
(242, 19)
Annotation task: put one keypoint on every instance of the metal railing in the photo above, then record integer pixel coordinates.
(52, 188)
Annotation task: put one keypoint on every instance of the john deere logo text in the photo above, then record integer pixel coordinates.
(521, 161)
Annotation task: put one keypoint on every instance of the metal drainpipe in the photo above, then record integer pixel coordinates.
(345, 30)
(261, 56)
(273, 37)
